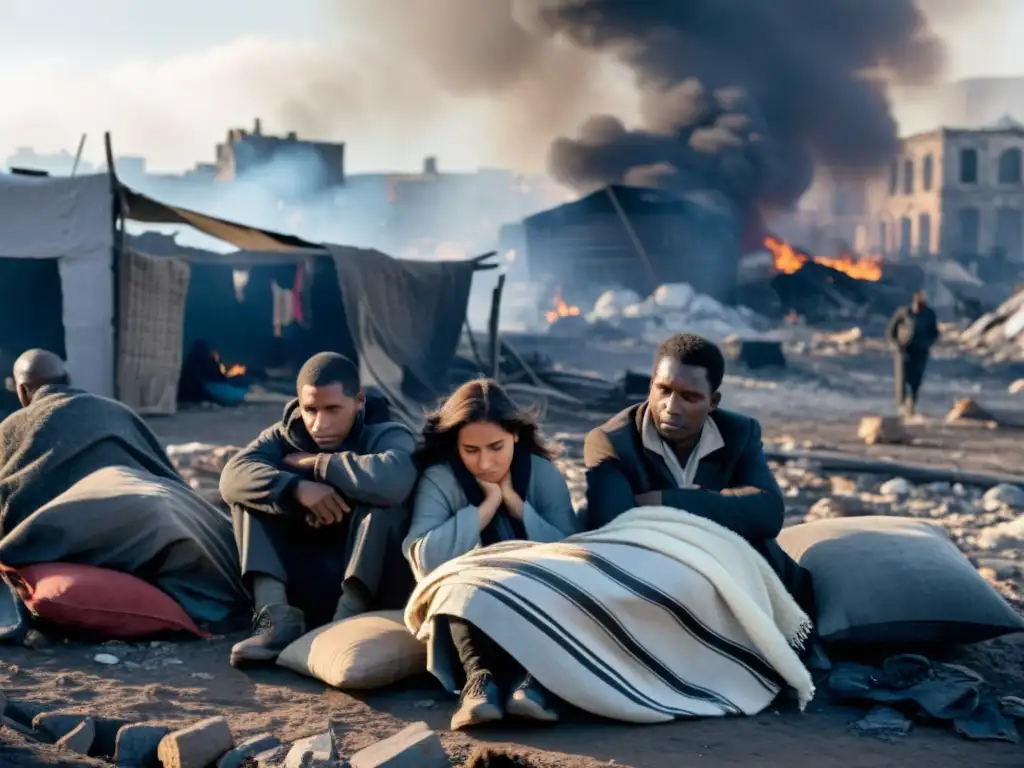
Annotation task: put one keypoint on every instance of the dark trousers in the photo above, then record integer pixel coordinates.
(795, 578)
(908, 373)
(364, 549)
(479, 653)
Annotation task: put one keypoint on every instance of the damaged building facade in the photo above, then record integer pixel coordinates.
(957, 193)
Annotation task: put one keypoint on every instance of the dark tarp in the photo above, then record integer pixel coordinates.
(145, 209)
(31, 298)
(406, 319)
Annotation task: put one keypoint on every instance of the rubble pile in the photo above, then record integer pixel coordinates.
(999, 334)
(201, 464)
(210, 742)
(988, 526)
(674, 308)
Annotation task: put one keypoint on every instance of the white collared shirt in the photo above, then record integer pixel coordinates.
(710, 441)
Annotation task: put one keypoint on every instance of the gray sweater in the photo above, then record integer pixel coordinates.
(445, 525)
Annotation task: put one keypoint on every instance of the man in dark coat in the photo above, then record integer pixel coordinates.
(677, 449)
(912, 331)
(319, 507)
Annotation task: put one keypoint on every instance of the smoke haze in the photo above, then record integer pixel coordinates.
(497, 82)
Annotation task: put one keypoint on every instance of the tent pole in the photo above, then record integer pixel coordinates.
(633, 236)
(492, 327)
(119, 210)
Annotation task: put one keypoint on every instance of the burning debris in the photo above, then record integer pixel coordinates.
(789, 260)
(559, 308)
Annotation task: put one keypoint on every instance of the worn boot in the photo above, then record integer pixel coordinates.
(479, 703)
(275, 627)
(530, 701)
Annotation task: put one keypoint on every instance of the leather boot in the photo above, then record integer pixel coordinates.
(275, 627)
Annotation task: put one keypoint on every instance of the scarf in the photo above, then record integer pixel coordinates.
(503, 526)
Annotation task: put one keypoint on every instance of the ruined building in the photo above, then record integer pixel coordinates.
(958, 193)
(316, 165)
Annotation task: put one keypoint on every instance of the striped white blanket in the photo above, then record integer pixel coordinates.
(656, 616)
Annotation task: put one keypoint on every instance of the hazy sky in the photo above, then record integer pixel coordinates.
(168, 79)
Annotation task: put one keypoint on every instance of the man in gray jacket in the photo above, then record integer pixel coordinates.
(319, 508)
(912, 331)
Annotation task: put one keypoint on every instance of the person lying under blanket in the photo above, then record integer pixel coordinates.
(83, 479)
(678, 449)
(488, 478)
(319, 507)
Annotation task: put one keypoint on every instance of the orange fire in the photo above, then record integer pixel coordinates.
(788, 260)
(234, 370)
(560, 308)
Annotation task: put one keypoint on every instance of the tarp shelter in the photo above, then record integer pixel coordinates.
(56, 262)
(122, 318)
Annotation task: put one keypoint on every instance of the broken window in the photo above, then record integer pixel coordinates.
(969, 220)
(1010, 167)
(908, 177)
(968, 166)
(1010, 233)
(894, 174)
(906, 236)
(927, 171)
(924, 234)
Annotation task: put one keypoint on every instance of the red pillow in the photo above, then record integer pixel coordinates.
(106, 603)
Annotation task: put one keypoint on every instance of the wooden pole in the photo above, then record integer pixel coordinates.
(492, 327)
(120, 209)
(633, 236)
(78, 154)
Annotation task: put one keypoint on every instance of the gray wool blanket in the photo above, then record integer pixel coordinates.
(84, 480)
(64, 436)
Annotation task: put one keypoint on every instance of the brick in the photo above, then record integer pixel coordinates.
(79, 739)
(248, 748)
(414, 747)
(198, 746)
(137, 744)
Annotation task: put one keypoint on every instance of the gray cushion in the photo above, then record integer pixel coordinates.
(895, 580)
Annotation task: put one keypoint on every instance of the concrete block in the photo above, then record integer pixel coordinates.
(414, 747)
(248, 748)
(198, 746)
(320, 748)
(137, 744)
(881, 430)
(79, 739)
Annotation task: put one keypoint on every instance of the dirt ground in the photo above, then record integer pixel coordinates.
(181, 682)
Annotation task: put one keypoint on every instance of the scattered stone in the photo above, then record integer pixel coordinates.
(197, 746)
(881, 430)
(80, 738)
(137, 744)
(968, 410)
(272, 758)
(896, 487)
(320, 748)
(832, 507)
(36, 640)
(414, 747)
(842, 486)
(106, 658)
(1001, 496)
(258, 744)
(63, 681)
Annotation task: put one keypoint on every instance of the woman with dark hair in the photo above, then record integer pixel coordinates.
(487, 477)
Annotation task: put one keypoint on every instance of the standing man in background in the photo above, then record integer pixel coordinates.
(913, 330)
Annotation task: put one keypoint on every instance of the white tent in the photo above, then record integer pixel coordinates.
(71, 220)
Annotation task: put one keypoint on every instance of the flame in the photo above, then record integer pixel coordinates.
(234, 370)
(560, 308)
(788, 260)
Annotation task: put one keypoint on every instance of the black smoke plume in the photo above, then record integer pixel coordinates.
(742, 96)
